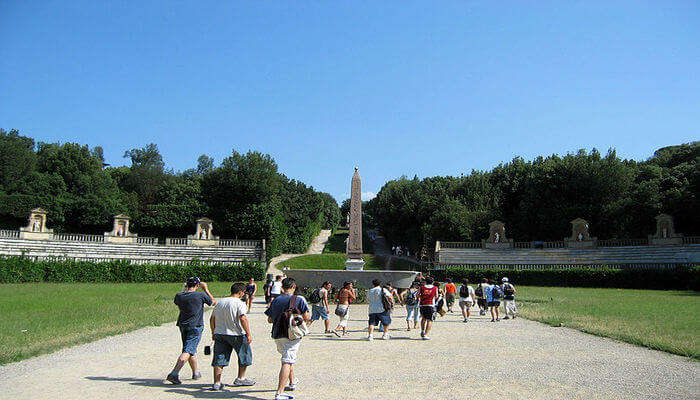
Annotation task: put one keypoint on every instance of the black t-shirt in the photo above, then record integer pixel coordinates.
(191, 308)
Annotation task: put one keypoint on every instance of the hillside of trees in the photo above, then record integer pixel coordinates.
(245, 195)
(537, 199)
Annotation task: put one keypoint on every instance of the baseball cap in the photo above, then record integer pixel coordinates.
(193, 281)
(505, 279)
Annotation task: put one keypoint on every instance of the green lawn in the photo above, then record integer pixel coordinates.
(330, 261)
(662, 320)
(57, 315)
(336, 242)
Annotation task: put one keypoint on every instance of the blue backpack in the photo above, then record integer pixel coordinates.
(496, 293)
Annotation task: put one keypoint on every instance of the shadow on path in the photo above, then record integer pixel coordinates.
(198, 390)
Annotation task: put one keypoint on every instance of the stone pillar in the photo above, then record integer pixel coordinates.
(203, 235)
(36, 227)
(580, 238)
(120, 231)
(354, 243)
(497, 237)
(665, 232)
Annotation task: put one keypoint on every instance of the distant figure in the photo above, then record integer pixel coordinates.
(509, 299)
(266, 289)
(250, 290)
(191, 324)
(427, 295)
(231, 331)
(410, 299)
(494, 294)
(467, 299)
(450, 294)
(377, 311)
(481, 296)
(276, 288)
(319, 306)
(344, 297)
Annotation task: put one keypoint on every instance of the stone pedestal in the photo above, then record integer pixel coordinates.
(120, 231)
(665, 232)
(580, 237)
(354, 264)
(203, 234)
(36, 228)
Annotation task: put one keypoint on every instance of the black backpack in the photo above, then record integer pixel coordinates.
(464, 291)
(315, 296)
(479, 290)
(411, 298)
(509, 290)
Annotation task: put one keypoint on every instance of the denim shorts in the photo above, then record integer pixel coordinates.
(225, 344)
(190, 338)
(412, 313)
(318, 312)
(383, 317)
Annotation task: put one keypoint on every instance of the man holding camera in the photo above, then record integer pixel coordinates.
(191, 324)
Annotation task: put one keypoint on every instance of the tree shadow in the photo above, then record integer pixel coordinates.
(197, 390)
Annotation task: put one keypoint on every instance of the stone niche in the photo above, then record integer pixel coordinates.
(203, 234)
(120, 231)
(36, 228)
(665, 232)
(580, 238)
(497, 237)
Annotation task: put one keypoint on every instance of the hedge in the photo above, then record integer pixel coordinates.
(678, 278)
(23, 269)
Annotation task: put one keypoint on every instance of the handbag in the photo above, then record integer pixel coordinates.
(297, 328)
(340, 312)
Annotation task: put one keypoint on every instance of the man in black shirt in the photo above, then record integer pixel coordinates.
(191, 324)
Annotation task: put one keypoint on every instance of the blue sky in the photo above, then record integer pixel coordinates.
(414, 88)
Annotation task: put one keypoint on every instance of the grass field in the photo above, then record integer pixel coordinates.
(329, 261)
(662, 320)
(38, 318)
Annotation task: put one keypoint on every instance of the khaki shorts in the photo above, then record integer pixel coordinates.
(289, 349)
(466, 303)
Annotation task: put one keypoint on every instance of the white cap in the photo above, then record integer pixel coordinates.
(504, 279)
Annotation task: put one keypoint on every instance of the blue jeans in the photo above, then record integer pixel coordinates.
(191, 335)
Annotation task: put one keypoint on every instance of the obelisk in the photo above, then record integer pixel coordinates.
(354, 246)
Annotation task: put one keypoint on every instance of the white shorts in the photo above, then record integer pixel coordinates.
(344, 319)
(466, 302)
(289, 349)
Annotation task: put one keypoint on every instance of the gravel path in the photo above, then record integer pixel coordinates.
(516, 359)
(317, 245)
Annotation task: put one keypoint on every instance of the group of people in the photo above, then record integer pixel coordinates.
(291, 317)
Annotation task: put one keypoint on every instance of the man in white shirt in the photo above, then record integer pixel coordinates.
(377, 312)
(231, 331)
(467, 299)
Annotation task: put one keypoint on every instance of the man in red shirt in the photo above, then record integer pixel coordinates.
(428, 293)
(450, 294)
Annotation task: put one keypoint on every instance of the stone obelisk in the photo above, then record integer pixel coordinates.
(354, 246)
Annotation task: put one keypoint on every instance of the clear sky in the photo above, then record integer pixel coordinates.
(415, 88)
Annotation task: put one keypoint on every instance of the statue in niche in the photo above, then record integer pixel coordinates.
(497, 238)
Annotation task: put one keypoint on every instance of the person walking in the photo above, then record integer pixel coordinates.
(276, 288)
(231, 331)
(509, 299)
(250, 290)
(480, 293)
(344, 297)
(427, 295)
(190, 321)
(410, 299)
(266, 289)
(494, 294)
(450, 294)
(467, 299)
(319, 306)
(288, 348)
(395, 299)
(380, 304)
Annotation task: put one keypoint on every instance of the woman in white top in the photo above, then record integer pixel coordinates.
(467, 299)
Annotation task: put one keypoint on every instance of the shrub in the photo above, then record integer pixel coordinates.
(23, 269)
(679, 278)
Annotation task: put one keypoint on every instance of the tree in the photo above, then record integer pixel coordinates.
(204, 164)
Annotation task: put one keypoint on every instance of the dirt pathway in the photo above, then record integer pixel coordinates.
(511, 359)
(316, 247)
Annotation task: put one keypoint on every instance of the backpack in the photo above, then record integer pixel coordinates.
(385, 301)
(496, 292)
(464, 291)
(508, 290)
(291, 322)
(315, 296)
(412, 298)
(479, 290)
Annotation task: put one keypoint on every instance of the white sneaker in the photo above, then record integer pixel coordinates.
(370, 338)
(291, 386)
(243, 382)
(386, 336)
(284, 397)
(426, 337)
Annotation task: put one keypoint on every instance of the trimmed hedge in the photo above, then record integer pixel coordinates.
(22, 269)
(679, 278)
